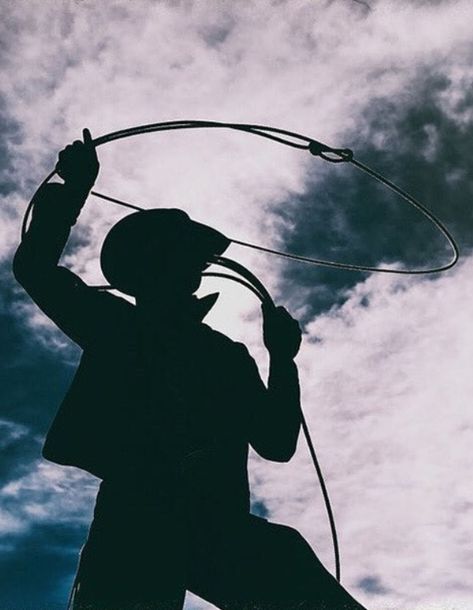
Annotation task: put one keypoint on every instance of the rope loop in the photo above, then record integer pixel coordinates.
(294, 140)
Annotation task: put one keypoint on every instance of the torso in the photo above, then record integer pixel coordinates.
(188, 430)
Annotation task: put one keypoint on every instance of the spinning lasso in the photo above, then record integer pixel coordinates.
(318, 149)
(332, 155)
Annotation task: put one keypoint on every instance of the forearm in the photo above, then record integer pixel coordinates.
(284, 401)
(55, 210)
(276, 421)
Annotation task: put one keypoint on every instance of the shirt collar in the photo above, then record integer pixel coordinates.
(201, 306)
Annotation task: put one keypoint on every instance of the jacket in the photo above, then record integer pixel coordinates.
(175, 404)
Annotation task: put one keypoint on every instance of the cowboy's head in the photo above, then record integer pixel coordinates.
(159, 253)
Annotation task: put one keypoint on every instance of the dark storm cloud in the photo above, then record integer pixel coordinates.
(259, 508)
(33, 378)
(52, 551)
(372, 585)
(33, 381)
(43, 509)
(346, 216)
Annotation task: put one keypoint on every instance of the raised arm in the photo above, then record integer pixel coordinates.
(276, 418)
(61, 294)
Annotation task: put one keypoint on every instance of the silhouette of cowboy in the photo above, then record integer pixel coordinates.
(163, 409)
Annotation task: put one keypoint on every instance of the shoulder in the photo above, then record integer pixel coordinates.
(233, 366)
(110, 318)
(222, 343)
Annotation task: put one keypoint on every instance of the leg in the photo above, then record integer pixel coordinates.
(115, 574)
(265, 566)
(132, 559)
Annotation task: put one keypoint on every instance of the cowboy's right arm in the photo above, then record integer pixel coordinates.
(59, 293)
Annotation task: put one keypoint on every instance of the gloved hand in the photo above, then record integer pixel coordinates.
(281, 333)
(78, 165)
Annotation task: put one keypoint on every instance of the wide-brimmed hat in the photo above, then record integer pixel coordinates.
(136, 240)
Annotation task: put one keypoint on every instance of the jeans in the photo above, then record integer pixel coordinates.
(143, 552)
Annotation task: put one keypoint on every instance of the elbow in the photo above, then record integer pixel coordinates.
(282, 457)
(19, 269)
(28, 268)
(279, 455)
(24, 269)
(281, 451)
(284, 454)
(276, 440)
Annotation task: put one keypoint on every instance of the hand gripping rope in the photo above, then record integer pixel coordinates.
(318, 149)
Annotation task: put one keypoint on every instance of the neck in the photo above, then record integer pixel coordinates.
(167, 309)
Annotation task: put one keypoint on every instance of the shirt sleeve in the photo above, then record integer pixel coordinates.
(253, 395)
(83, 313)
(274, 412)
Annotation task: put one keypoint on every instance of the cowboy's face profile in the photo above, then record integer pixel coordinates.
(170, 274)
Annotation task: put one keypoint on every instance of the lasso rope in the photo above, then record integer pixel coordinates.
(295, 140)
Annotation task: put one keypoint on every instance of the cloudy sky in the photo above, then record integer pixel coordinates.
(385, 364)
